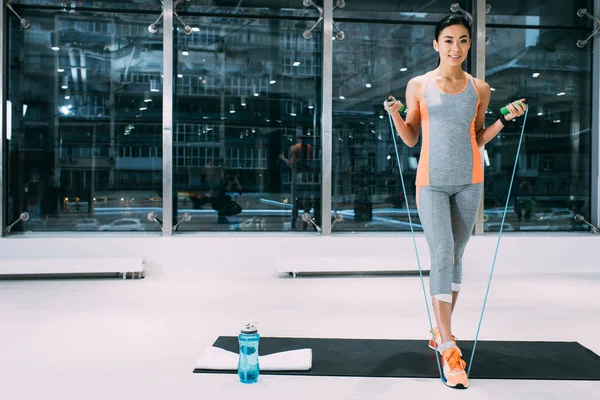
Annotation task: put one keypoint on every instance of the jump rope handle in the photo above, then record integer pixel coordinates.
(391, 101)
(505, 110)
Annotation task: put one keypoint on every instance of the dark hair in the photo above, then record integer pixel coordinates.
(449, 20)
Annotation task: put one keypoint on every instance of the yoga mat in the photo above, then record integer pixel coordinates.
(413, 359)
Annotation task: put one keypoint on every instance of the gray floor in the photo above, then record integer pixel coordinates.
(98, 339)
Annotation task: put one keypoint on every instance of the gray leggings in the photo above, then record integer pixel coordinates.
(448, 216)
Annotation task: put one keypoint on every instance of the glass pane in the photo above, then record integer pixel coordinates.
(79, 5)
(294, 9)
(85, 148)
(409, 12)
(247, 141)
(367, 189)
(552, 181)
(540, 12)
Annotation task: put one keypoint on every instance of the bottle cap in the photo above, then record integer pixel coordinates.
(249, 328)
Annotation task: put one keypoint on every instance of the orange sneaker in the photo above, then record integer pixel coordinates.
(453, 369)
(438, 339)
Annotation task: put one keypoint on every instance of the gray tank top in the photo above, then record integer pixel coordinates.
(449, 152)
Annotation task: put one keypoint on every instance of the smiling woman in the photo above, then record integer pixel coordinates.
(443, 45)
(448, 106)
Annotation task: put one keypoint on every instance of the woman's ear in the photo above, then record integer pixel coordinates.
(435, 46)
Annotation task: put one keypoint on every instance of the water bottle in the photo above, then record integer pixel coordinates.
(248, 368)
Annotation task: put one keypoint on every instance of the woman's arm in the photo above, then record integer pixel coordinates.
(485, 135)
(409, 130)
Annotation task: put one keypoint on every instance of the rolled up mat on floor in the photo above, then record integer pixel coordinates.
(218, 359)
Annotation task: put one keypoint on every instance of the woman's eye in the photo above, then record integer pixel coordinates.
(448, 41)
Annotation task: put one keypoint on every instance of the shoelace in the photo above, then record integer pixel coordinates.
(455, 361)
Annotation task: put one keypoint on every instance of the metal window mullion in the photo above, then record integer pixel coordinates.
(327, 117)
(167, 132)
(479, 32)
(595, 192)
(3, 93)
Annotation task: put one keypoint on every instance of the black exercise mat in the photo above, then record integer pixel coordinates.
(413, 359)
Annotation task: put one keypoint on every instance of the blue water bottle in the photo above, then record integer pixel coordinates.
(248, 368)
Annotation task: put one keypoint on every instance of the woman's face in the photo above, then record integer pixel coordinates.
(453, 44)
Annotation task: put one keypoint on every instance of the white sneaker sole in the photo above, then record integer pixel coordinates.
(457, 386)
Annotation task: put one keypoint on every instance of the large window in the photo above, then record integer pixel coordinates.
(85, 148)
(552, 181)
(373, 61)
(247, 141)
(531, 53)
(85, 137)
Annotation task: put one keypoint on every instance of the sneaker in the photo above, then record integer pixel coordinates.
(438, 339)
(453, 367)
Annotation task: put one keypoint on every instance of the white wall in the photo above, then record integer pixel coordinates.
(518, 253)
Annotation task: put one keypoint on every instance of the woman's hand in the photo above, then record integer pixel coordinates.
(392, 105)
(516, 108)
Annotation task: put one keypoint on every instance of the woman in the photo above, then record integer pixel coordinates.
(449, 106)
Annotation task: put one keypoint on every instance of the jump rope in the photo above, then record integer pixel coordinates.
(504, 111)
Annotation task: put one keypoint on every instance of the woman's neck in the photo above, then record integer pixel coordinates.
(447, 72)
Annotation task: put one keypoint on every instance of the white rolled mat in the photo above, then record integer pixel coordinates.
(215, 358)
